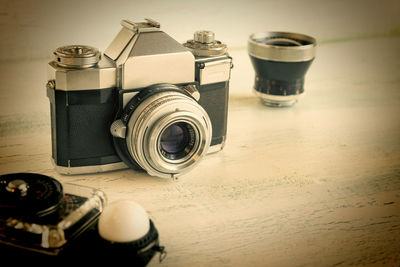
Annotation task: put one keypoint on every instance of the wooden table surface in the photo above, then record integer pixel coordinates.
(317, 184)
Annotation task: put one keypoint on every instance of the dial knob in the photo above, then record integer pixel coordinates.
(204, 37)
(18, 186)
(30, 194)
(77, 56)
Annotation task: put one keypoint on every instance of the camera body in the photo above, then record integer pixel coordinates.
(149, 102)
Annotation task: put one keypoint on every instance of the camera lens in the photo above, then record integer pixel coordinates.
(168, 133)
(173, 139)
(280, 60)
(177, 140)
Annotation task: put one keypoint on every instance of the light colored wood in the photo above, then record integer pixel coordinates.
(313, 185)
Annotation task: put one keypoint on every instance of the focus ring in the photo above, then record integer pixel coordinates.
(151, 117)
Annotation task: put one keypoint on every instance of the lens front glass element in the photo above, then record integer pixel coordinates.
(168, 133)
(177, 140)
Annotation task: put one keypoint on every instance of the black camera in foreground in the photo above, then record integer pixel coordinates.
(45, 222)
(148, 103)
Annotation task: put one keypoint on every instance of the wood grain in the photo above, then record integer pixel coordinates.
(313, 185)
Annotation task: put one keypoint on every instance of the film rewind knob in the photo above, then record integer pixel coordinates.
(204, 37)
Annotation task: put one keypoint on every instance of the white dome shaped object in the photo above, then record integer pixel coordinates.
(123, 221)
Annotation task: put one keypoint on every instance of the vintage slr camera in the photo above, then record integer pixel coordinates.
(149, 102)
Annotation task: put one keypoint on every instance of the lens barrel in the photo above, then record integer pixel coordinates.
(168, 133)
(280, 61)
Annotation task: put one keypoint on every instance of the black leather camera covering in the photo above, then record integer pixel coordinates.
(214, 99)
(81, 127)
(81, 123)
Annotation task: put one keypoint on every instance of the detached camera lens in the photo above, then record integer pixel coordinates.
(280, 61)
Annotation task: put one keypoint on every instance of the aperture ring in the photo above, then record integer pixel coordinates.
(276, 87)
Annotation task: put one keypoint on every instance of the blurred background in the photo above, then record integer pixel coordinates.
(324, 186)
(32, 29)
(349, 36)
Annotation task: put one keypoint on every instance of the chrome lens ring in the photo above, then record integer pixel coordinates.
(192, 155)
(152, 117)
(282, 46)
